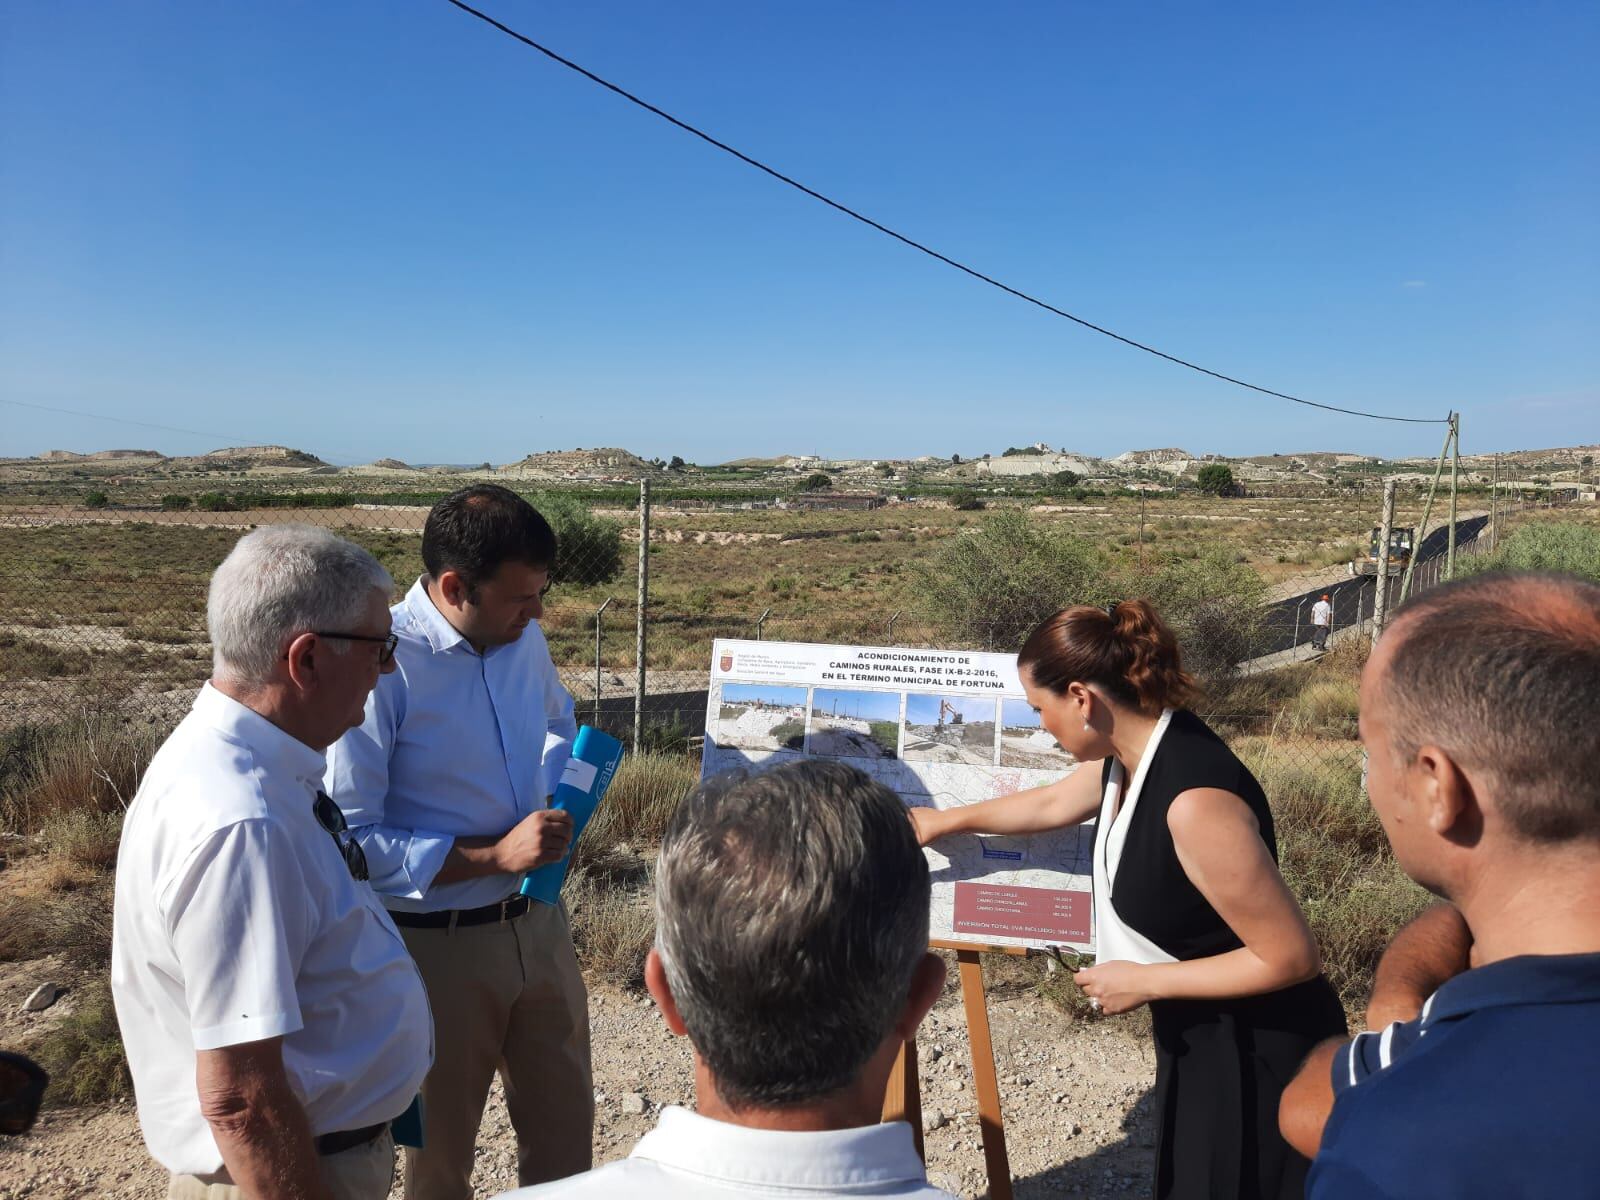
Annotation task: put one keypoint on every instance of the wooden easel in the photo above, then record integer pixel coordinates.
(903, 1099)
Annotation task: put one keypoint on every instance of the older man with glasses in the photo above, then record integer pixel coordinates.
(274, 1023)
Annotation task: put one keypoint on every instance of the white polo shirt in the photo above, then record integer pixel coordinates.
(687, 1156)
(236, 920)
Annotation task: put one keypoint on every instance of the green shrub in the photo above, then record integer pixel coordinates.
(1564, 546)
(176, 503)
(84, 1054)
(589, 548)
(1215, 605)
(965, 500)
(215, 502)
(1217, 479)
(991, 585)
(95, 499)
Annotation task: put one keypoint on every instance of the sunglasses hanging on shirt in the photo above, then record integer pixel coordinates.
(331, 817)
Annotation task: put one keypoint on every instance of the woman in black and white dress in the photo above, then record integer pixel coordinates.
(1191, 914)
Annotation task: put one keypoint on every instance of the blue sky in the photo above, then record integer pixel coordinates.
(924, 710)
(865, 706)
(385, 229)
(1017, 712)
(767, 693)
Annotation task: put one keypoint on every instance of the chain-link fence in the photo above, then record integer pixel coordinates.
(104, 604)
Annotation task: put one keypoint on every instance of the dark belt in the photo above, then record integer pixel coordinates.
(489, 914)
(348, 1139)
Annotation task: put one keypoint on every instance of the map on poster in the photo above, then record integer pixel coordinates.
(940, 728)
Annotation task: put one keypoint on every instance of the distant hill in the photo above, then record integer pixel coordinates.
(602, 462)
(1152, 458)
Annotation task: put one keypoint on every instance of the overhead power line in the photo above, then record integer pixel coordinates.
(916, 245)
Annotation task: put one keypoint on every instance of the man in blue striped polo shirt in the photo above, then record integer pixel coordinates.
(1480, 711)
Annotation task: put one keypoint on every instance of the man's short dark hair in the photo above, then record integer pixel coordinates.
(1502, 671)
(792, 910)
(474, 531)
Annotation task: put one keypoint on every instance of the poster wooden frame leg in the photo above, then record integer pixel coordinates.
(990, 1121)
(903, 1097)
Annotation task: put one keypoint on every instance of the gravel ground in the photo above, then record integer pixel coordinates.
(1073, 1094)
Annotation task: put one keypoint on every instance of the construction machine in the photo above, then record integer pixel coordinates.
(1401, 545)
(955, 717)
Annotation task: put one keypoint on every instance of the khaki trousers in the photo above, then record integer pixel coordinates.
(360, 1173)
(506, 997)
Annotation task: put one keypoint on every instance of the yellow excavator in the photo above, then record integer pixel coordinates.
(1401, 545)
(955, 717)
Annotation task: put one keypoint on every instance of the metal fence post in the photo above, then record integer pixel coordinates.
(760, 621)
(1295, 641)
(597, 615)
(1455, 471)
(892, 620)
(643, 604)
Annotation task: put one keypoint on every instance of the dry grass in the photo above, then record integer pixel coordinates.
(613, 927)
(608, 891)
(1334, 856)
(641, 799)
(90, 764)
(1326, 707)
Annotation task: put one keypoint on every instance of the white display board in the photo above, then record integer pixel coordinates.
(940, 728)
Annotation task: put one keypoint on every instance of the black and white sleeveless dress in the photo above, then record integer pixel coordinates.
(1221, 1065)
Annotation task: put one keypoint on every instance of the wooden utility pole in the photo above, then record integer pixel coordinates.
(1494, 505)
(1380, 594)
(1455, 470)
(1141, 530)
(1427, 510)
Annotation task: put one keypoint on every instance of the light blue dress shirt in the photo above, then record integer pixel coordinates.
(454, 744)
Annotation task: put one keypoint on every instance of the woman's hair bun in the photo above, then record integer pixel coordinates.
(1126, 649)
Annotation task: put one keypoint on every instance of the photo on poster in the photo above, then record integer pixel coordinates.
(950, 729)
(848, 724)
(1024, 742)
(761, 716)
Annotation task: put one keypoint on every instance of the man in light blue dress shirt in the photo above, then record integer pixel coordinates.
(445, 784)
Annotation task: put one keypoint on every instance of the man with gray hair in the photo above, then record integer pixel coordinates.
(792, 949)
(273, 1021)
(1478, 1076)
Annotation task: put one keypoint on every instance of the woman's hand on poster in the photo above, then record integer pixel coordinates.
(1115, 987)
(925, 823)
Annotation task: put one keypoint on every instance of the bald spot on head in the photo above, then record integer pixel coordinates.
(1502, 672)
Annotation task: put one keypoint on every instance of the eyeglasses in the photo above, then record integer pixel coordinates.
(389, 641)
(331, 817)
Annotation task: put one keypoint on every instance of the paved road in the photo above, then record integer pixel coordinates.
(1352, 598)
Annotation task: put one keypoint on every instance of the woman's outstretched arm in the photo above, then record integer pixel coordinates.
(1069, 800)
